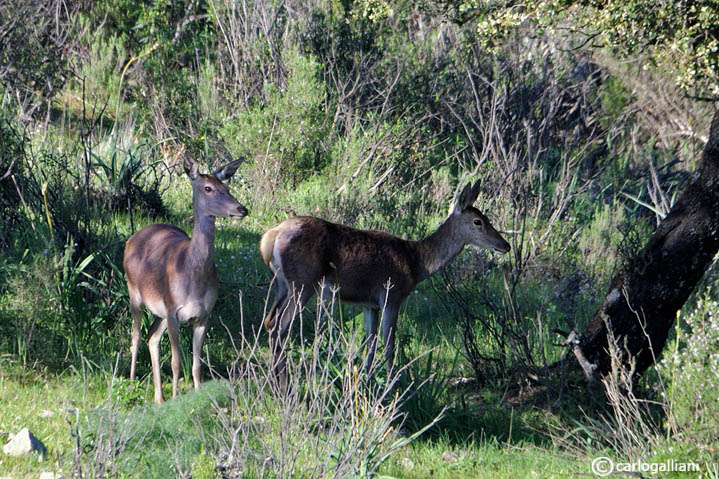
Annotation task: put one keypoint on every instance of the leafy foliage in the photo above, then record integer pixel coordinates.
(288, 133)
(681, 36)
(32, 39)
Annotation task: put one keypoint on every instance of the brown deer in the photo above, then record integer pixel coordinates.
(304, 251)
(174, 275)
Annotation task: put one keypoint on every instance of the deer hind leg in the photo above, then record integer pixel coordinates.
(287, 310)
(275, 311)
(370, 335)
(156, 331)
(136, 313)
(198, 338)
(272, 321)
(389, 326)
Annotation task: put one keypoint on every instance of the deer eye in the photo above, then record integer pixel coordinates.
(478, 222)
(208, 189)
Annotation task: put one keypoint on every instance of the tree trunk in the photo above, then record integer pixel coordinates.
(643, 298)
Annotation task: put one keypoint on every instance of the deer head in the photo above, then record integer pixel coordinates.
(472, 226)
(209, 194)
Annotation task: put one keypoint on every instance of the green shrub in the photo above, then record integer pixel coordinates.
(61, 308)
(691, 368)
(287, 134)
(13, 143)
(203, 467)
(98, 78)
(599, 241)
(127, 174)
(178, 432)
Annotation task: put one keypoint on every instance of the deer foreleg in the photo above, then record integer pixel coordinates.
(156, 331)
(136, 312)
(198, 338)
(173, 331)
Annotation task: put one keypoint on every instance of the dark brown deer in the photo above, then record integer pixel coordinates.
(174, 275)
(305, 251)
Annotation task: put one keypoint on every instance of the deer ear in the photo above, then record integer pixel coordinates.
(465, 198)
(191, 167)
(474, 194)
(228, 170)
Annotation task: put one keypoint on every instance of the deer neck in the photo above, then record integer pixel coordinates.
(202, 244)
(439, 248)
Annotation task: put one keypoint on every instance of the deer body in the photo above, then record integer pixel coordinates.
(174, 275)
(162, 252)
(371, 268)
(306, 250)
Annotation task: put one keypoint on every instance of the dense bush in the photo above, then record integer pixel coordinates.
(13, 141)
(287, 134)
(33, 66)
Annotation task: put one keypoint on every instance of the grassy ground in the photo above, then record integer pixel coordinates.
(93, 419)
(181, 432)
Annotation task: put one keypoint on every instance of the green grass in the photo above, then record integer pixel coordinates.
(43, 402)
(484, 459)
(180, 434)
(177, 430)
(157, 439)
(153, 440)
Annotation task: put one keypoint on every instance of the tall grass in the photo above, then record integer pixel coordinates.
(333, 421)
(669, 416)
